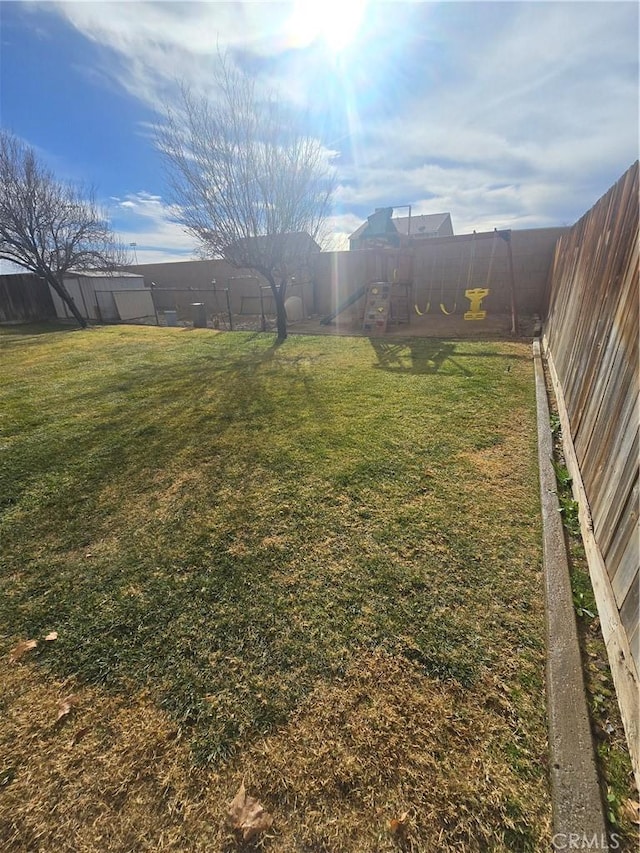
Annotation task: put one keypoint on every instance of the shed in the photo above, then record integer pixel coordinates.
(106, 297)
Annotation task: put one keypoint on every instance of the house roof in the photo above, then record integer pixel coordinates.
(427, 223)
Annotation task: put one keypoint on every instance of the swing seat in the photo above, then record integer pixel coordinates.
(444, 309)
(422, 313)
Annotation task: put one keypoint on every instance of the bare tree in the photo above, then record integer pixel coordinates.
(249, 182)
(50, 226)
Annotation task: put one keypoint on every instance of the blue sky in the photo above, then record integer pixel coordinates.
(505, 114)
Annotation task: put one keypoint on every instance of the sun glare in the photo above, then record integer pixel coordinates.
(337, 22)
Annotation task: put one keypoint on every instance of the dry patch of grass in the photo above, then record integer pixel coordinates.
(112, 775)
(384, 744)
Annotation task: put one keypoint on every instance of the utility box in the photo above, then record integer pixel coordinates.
(199, 314)
(171, 317)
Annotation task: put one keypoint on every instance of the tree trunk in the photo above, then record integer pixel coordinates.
(66, 297)
(281, 313)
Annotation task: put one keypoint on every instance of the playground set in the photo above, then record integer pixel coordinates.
(444, 286)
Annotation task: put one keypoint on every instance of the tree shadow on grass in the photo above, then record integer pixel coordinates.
(19, 333)
(146, 414)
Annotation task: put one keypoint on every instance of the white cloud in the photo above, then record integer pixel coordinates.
(145, 219)
(553, 93)
(152, 45)
(510, 113)
(341, 226)
(196, 27)
(547, 106)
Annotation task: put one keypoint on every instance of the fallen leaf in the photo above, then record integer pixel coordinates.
(21, 649)
(247, 816)
(631, 810)
(52, 635)
(64, 707)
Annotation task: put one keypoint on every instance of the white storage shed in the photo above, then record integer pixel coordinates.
(107, 297)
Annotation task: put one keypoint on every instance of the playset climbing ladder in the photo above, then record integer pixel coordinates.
(386, 303)
(377, 305)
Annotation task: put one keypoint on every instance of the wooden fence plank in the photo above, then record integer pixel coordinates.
(630, 607)
(635, 646)
(627, 534)
(627, 569)
(606, 512)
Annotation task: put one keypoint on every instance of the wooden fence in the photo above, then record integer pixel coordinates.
(513, 266)
(25, 298)
(591, 340)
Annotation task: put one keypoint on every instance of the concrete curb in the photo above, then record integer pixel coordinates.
(575, 793)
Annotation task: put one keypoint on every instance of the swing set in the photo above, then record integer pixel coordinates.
(470, 265)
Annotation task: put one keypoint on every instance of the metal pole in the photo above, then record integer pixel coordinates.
(153, 301)
(226, 292)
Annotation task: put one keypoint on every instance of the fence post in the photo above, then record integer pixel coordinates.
(226, 291)
(153, 302)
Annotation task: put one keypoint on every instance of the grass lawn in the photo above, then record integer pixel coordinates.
(316, 567)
